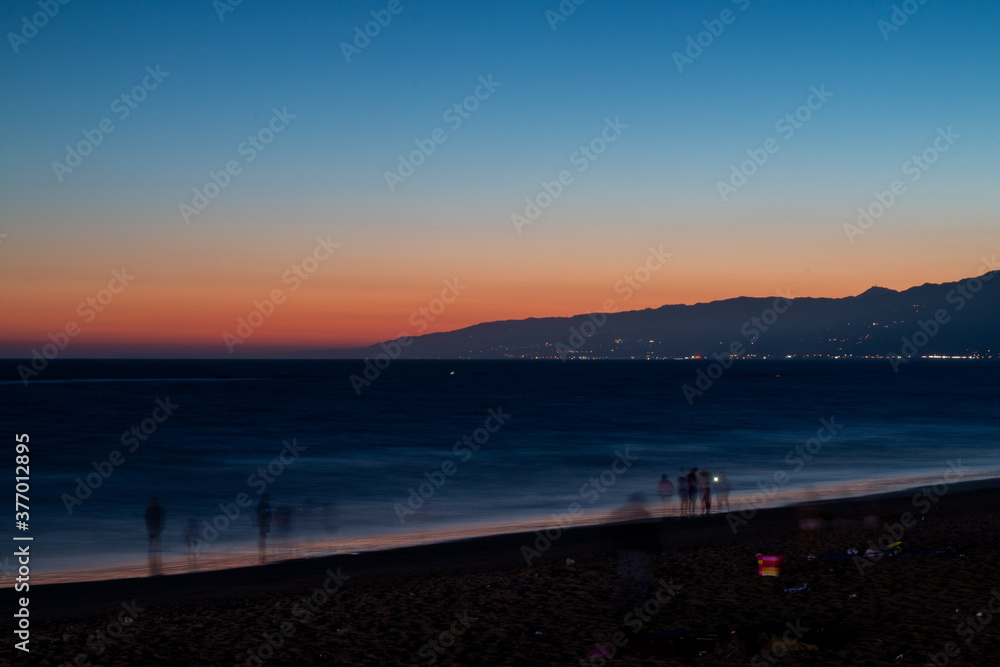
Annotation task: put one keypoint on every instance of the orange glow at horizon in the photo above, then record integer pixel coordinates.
(367, 293)
(198, 319)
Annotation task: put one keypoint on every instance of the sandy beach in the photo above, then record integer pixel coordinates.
(679, 591)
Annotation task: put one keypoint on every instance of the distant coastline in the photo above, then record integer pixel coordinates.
(957, 320)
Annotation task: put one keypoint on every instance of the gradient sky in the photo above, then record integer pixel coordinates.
(323, 174)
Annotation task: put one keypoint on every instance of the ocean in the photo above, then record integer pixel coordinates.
(433, 450)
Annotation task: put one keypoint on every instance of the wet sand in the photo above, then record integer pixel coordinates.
(661, 592)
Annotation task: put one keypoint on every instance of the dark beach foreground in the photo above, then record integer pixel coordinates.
(673, 592)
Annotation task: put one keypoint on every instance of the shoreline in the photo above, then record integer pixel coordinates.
(176, 563)
(662, 592)
(492, 550)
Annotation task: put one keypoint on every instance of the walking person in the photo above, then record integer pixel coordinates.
(154, 526)
(263, 524)
(191, 539)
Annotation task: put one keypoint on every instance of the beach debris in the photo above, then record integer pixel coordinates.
(797, 589)
(899, 657)
(770, 566)
(853, 595)
(852, 551)
(570, 561)
(538, 632)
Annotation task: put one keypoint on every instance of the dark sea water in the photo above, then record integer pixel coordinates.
(360, 456)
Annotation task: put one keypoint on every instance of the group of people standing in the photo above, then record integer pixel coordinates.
(155, 517)
(694, 491)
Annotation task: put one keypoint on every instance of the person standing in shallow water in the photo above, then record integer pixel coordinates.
(705, 491)
(263, 524)
(154, 526)
(191, 538)
(692, 489)
(666, 490)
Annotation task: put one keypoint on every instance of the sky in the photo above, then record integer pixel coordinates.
(340, 173)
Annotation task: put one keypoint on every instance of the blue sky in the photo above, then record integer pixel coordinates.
(656, 183)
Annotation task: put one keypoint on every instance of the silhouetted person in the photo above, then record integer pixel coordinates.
(632, 532)
(692, 489)
(191, 538)
(666, 491)
(263, 523)
(705, 491)
(154, 526)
